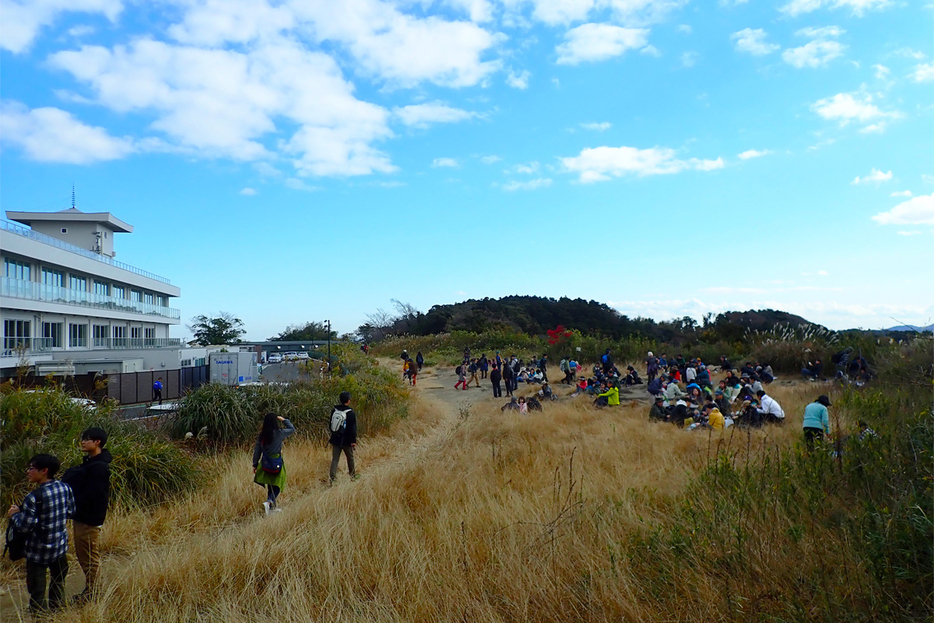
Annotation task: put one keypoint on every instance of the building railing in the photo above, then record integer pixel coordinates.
(26, 232)
(19, 346)
(22, 289)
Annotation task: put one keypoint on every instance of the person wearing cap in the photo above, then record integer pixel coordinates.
(90, 483)
(658, 412)
(723, 402)
(816, 421)
(673, 393)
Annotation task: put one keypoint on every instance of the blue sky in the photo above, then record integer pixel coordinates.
(295, 161)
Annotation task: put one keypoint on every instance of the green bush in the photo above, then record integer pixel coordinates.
(146, 468)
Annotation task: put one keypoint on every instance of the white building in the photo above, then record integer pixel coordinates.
(69, 307)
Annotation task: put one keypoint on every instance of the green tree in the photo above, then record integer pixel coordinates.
(309, 331)
(222, 329)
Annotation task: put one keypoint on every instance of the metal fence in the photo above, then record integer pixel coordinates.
(129, 387)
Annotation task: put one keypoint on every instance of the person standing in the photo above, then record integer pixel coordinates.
(543, 365)
(157, 390)
(42, 516)
(419, 360)
(268, 466)
(816, 421)
(495, 378)
(508, 378)
(343, 436)
(484, 365)
(90, 485)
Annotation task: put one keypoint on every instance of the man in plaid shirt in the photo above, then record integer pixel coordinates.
(43, 517)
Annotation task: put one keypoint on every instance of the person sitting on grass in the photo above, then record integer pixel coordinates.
(609, 397)
(632, 377)
(512, 405)
(658, 413)
(546, 392)
(812, 371)
(581, 387)
(722, 402)
(770, 409)
(715, 419)
(523, 405)
(673, 393)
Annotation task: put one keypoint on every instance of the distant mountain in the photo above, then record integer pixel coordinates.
(763, 319)
(904, 327)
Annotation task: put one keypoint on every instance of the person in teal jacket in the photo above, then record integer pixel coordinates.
(816, 421)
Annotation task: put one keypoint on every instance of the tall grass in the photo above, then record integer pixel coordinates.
(146, 469)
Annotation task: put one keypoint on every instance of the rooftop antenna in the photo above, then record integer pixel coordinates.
(72, 196)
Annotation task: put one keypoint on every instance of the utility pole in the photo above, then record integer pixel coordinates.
(329, 348)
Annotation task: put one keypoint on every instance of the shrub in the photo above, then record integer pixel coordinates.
(146, 468)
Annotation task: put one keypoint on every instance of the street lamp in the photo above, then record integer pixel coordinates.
(329, 348)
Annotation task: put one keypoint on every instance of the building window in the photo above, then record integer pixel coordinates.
(15, 335)
(54, 278)
(185, 363)
(77, 335)
(78, 283)
(64, 230)
(101, 333)
(52, 334)
(149, 336)
(136, 332)
(119, 335)
(136, 296)
(119, 292)
(13, 269)
(162, 301)
(101, 288)
(148, 298)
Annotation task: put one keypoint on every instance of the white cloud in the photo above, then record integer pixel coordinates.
(54, 135)
(856, 7)
(223, 103)
(847, 107)
(599, 127)
(626, 12)
(598, 42)
(479, 11)
(916, 211)
(518, 80)
(873, 128)
(813, 54)
(297, 184)
(542, 182)
(909, 53)
(23, 19)
(490, 159)
(387, 44)
(445, 162)
(901, 193)
(248, 192)
(689, 59)
(908, 233)
(753, 41)
(875, 176)
(603, 163)
(650, 50)
(882, 72)
(820, 33)
(924, 72)
(684, 29)
(753, 153)
(526, 169)
(422, 115)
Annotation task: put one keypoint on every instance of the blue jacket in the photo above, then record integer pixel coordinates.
(816, 416)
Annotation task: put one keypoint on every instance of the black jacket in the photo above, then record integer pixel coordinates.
(495, 376)
(348, 434)
(90, 483)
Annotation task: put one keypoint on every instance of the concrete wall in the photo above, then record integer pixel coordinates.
(81, 234)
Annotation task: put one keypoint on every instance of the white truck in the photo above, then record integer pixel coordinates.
(233, 368)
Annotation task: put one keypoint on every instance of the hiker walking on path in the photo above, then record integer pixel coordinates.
(90, 485)
(268, 466)
(419, 360)
(42, 517)
(472, 368)
(461, 373)
(543, 366)
(343, 436)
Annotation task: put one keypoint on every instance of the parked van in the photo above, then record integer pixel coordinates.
(274, 358)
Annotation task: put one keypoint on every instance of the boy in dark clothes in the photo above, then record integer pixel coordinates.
(90, 483)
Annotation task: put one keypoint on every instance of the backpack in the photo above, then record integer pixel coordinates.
(604, 358)
(338, 420)
(458, 370)
(16, 540)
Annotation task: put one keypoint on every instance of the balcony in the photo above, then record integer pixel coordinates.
(124, 343)
(21, 289)
(23, 346)
(25, 232)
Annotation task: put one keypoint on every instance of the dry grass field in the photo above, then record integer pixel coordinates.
(462, 513)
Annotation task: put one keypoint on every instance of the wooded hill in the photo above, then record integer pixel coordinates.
(535, 315)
